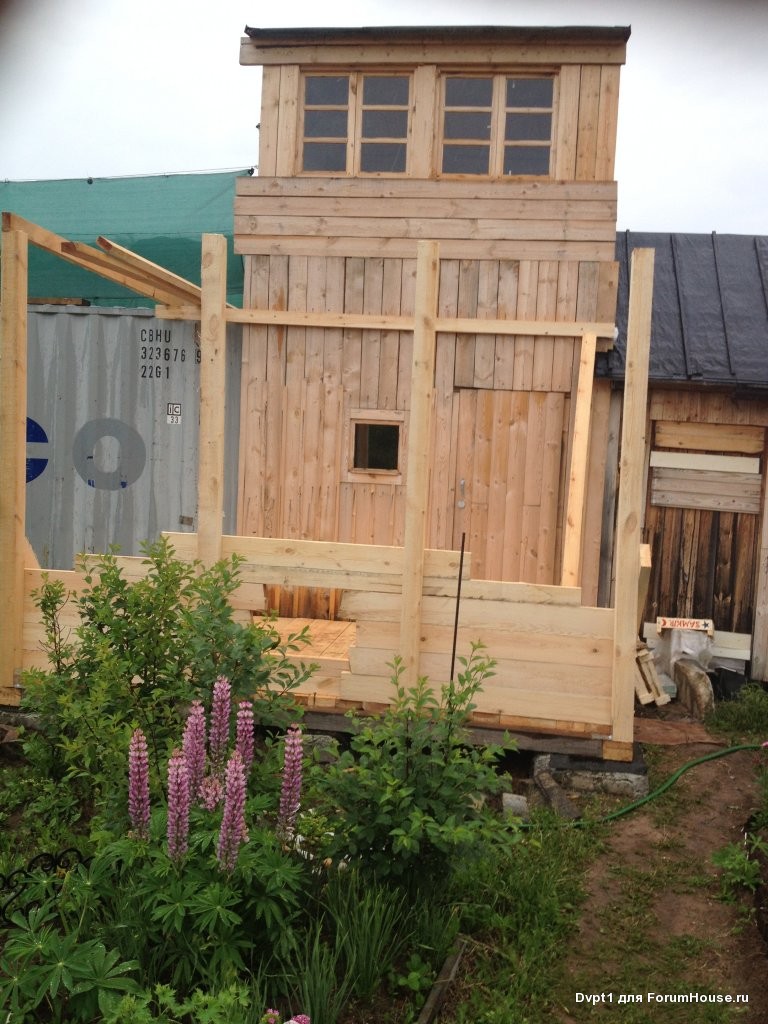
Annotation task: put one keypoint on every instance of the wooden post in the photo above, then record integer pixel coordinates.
(213, 338)
(630, 510)
(417, 469)
(13, 440)
(574, 516)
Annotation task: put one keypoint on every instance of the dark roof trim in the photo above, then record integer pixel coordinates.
(496, 34)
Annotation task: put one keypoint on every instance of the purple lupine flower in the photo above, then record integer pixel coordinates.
(290, 791)
(138, 784)
(178, 806)
(211, 792)
(193, 745)
(219, 736)
(233, 829)
(244, 741)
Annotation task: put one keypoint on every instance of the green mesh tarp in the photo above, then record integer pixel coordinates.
(160, 217)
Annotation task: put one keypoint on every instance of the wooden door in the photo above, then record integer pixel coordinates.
(508, 481)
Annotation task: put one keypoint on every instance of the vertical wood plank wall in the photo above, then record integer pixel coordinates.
(503, 412)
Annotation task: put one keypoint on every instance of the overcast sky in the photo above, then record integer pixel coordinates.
(104, 88)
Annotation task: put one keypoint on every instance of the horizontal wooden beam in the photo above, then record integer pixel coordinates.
(699, 461)
(384, 322)
(137, 263)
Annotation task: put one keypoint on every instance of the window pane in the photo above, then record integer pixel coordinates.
(376, 445)
(325, 156)
(326, 89)
(529, 92)
(467, 126)
(325, 124)
(526, 160)
(382, 156)
(465, 159)
(385, 124)
(468, 92)
(528, 126)
(385, 90)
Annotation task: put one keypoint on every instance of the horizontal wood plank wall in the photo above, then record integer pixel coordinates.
(553, 670)
(354, 217)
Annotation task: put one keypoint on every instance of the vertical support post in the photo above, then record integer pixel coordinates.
(213, 339)
(630, 508)
(417, 470)
(13, 439)
(574, 516)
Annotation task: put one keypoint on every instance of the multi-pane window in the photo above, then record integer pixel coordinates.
(356, 124)
(497, 125)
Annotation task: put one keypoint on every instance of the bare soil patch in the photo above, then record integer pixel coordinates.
(653, 920)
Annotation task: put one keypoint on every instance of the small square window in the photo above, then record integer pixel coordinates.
(377, 446)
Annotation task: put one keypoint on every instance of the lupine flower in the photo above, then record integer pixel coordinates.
(244, 740)
(233, 829)
(220, 710)
(211, 792)
(290, 791)
(138, 784)
(300, 1018)
(270, 1017)
(178, 806)
(193, 746)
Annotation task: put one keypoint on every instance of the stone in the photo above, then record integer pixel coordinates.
(694, 688)
(514, 805)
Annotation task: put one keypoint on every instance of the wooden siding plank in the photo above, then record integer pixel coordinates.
(270, 120)
(696, 461)
(577, 476)
(487, 308)
(710, 437)
(469, 276)
(288, 123)
(546, 306)
(526, 310)
(589, 116)
(566, 131)
(517, 448)
(732, 492)
(607, 123)
(504, 369)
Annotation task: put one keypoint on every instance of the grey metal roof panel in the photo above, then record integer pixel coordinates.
(710, 317)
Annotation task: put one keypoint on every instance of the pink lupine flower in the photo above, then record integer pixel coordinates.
(211, 792)
(244, 741)
(178, 806)
(193, 745)
(290, 791)
(138, 784)
(300, 1018)
(233, 829)
(220, 711)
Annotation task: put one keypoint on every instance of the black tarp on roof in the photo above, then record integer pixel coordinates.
(710, 309)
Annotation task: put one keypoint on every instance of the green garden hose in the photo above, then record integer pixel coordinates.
(666, 784)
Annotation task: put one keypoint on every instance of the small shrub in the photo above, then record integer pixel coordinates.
(144, 650)
(402, 802)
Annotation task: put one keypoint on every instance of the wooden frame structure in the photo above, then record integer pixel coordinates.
(564, 669)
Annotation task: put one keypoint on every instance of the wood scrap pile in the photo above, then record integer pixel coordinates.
(647, 685)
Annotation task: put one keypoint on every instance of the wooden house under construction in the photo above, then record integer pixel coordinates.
(429, 273)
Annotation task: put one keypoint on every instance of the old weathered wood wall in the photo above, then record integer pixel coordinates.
(705, 511)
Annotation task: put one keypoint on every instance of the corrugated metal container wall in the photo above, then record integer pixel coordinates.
(112, 430)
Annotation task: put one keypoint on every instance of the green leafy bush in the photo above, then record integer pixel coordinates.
(403, 801)
(143, 650)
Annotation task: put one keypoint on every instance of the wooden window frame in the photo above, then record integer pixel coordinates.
(498, 110)
(355, 110)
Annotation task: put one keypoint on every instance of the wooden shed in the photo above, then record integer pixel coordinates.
(706, 519)
(429, 273)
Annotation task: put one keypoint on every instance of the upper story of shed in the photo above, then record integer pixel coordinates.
(474, 115)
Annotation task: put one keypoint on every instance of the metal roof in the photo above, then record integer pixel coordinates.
(160, 217)
(710, 309)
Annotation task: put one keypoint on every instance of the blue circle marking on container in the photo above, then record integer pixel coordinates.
(35, 435)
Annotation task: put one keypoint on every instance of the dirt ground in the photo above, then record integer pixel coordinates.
(653, 921)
